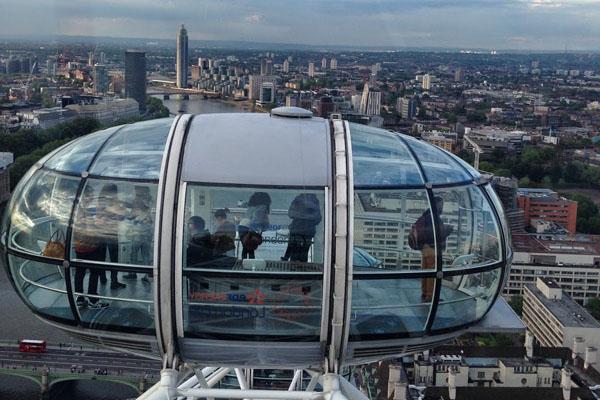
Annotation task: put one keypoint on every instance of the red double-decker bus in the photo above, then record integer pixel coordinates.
(32, 346)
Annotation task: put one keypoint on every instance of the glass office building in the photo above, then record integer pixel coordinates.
(257, 240)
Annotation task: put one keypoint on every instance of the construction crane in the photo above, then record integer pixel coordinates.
(476, 150)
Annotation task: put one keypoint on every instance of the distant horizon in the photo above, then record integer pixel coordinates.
(230, 44)
(508, 25)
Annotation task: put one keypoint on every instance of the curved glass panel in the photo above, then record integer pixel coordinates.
(501, 214)
(114, 223)
(39, 220)
(381, 159)
(101, 306)
(465, 298)
(136, 151)
(231, 233)
(470, 235)
(439, 167)
(472, 171)
(393, 231)
(77, 156)
(42, 286)
(390, 306)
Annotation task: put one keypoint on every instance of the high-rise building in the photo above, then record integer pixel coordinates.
(324, 64)
(135, 77)
(311, 69)
(370, 102)
(91, 58)
(263, 66)
(102, 58)
(407, 107)
(196, 72)
(286, 66)
(333, 63)
(427, 81)
(267, 93)
(100, 78)
(255, 85)
(182, 57)
(459, 75)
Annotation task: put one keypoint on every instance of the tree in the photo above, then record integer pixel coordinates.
(516, 302)
(593, 306)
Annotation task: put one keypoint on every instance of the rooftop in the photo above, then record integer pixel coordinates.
(557, 244)
(502, 393)
(566, 310)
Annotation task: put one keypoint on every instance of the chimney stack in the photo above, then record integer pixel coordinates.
(577, 347)
(529, 344)
(565, 383)
(452, 383)
(591, 355)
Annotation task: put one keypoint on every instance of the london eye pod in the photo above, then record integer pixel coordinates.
(256, 240)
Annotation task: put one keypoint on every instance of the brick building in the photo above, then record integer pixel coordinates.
(547, 205)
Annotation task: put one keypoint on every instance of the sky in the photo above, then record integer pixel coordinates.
(482, 24)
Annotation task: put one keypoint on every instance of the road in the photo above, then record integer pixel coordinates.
(64, 360)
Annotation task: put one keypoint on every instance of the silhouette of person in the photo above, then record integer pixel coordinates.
(305, 213)
(254, 222)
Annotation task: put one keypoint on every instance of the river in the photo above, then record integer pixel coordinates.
(12, 308)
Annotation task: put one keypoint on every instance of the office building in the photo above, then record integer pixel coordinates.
(255, 84)
(333, 63)
(182, 57)
(573, 261)
(45, 118)
(196, 72)
(323, 64)
(445, 140)
(407, 107)
(107, 111)
(556, 320)
(459, 75)
(547, 205)
(267, 93)
(135, 77)
(311, 69)
(100, 79)
(286, 66)
(370, 103)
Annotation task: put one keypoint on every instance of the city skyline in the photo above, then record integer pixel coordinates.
(515, 24)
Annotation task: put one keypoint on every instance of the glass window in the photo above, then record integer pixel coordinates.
(381, 159)
(465, 298)
(390, 306)
(439, 167)
(469, 230)
(101, 305)
(42, 286)
(40, 218)
(500, 209)
(393, 231)
(135, 152)
(114, 223)
(77, 156)
(232, 232)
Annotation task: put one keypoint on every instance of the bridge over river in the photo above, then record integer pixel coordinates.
(65, 363)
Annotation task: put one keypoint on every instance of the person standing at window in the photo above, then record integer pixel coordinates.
(305, 213)
(254, 222)
(110, 214)
(422, 237)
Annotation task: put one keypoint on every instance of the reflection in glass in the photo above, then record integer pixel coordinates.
(388, 306)
(42, 286)
(129, 309)
(114, 222)
(383, 224)
(39, 220)
(439, 167)
(236, 231)
(469, 227)
(381, 159)
(135, 151)
(77, 156)
(241, 306)
(465, 298)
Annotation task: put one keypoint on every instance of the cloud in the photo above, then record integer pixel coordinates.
(254, 18)
(541, 24)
